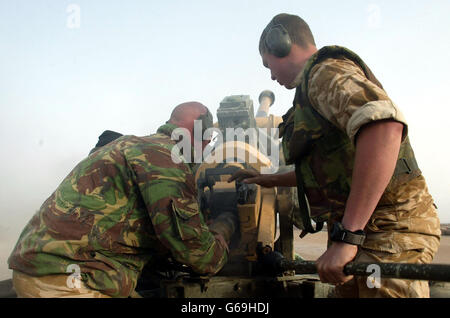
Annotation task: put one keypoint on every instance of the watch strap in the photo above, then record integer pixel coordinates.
(353, 237)
(346, 236)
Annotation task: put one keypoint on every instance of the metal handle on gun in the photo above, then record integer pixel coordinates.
(430, 272)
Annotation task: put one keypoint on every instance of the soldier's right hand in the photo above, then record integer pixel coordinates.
(252, 176)
(244, 174)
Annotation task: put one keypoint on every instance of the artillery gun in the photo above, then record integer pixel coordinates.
(261, 261)
(244, 142)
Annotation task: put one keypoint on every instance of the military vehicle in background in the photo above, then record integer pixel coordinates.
(445, 229)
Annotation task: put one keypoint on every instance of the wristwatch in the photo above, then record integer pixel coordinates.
(340, 234)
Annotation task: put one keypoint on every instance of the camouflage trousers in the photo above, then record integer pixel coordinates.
(406, 231)
(51, 286)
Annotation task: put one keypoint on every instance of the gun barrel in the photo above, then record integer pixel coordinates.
(430, 272)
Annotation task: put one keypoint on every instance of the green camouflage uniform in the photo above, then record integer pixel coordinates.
(119, 209)
(404, 226)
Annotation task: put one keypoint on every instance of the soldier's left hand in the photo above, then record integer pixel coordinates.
(330, 266)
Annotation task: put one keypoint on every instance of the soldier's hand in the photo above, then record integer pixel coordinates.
(225, 225)
(330, 266)
(252, 176)
(243, 174)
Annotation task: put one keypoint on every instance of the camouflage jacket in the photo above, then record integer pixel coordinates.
(123, 206)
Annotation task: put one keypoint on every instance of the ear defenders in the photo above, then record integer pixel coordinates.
(278, 41)
(207, 122)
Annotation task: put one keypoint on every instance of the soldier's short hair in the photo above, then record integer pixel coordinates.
(298, 30)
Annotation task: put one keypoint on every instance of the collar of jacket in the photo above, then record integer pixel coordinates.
(333, 49)
(167, 129)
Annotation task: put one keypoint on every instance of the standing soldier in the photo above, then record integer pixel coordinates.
(353, 161)
(123, 207)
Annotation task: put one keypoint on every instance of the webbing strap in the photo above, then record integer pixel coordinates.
(303, 205)
(405, 166)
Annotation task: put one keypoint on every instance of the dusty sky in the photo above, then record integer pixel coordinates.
(72, 69)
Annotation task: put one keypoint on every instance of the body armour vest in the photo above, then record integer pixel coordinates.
(324, 155)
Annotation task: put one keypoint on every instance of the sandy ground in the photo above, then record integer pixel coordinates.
(313, 245)
(310, 248)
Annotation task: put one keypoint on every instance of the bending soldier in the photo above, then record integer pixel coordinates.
(353, 161)
(125, 206)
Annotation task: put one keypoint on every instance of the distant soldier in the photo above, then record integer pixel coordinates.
(126, 206)
(353, 160)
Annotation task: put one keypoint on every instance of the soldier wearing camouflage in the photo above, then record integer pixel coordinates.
(126, 205)
(340, 89)
(341, 129)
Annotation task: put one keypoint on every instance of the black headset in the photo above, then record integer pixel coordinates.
(277, 40)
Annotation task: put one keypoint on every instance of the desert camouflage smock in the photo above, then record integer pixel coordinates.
(118, 209)
(340, 93)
